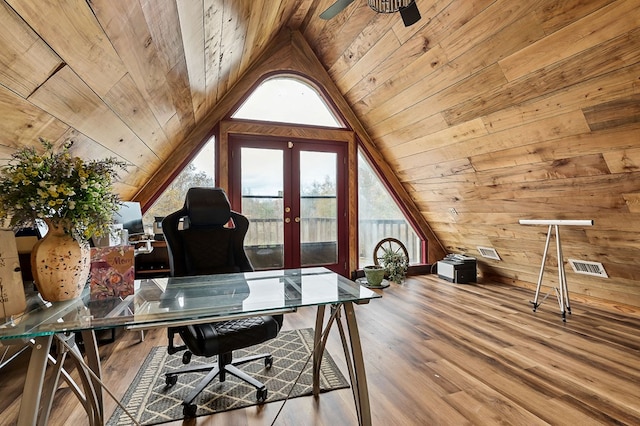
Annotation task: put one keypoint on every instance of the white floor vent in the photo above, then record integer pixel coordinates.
(588, 268)
(489, 253)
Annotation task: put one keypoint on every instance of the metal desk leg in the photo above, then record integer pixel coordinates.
(33, 384)
(353, 355)
(318, 349)
(93, 362)
(360, 385)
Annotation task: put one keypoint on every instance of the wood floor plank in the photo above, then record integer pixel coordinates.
(436, 353)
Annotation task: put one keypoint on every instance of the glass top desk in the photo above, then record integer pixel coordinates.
(164, 302)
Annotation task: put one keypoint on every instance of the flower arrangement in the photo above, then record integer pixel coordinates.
(58, 187)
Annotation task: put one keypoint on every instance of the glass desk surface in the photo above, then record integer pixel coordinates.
(158, 302)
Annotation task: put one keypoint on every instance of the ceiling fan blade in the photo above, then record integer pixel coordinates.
(335, 8)
(410, 14)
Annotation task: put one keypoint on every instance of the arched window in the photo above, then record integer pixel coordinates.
(287, 99)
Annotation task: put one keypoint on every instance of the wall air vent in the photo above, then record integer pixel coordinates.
(588, 268)
(489, 253)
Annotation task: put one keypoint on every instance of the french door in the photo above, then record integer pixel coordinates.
(294, 194)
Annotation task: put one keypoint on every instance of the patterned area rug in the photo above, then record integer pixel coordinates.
(150, 402)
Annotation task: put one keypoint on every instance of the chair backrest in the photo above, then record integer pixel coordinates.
(206, 236)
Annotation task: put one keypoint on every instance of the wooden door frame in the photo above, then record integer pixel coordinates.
(302, 133)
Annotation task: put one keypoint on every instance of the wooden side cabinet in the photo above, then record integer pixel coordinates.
(154, 264)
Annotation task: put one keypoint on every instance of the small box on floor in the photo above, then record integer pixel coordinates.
(457, 269)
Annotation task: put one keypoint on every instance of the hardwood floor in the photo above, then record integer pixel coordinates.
(437, 354)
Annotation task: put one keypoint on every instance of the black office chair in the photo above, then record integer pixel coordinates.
(200, 241)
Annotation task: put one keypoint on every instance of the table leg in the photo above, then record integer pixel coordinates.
(33, 384)
(360, 385)
(318, 349)
(93, 362)
(353, 354)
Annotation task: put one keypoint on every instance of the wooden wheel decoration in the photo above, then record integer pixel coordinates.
(389, 244)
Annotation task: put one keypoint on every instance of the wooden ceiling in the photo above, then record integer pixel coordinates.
(487, 111)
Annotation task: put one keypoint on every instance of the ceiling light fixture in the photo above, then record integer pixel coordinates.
(388, 6)
(407, 8)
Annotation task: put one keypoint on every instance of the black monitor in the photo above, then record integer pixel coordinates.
(130, 216)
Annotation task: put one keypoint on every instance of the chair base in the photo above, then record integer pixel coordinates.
(224, 365)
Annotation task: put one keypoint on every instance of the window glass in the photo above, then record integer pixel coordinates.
(199, 172)
(379, 217)
(287, 100)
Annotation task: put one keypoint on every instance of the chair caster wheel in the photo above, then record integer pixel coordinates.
(261, 395)
(189, 410)
(268, 361)
(186, 357)
(170, 380)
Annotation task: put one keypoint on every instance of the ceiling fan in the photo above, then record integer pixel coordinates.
(407, 8)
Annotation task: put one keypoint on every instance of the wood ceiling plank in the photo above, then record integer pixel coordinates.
(456, 168)
(439, 19)
(311, 26)
(493, 19)
(615, 113)
(397, 130)
(25, 60)
(191, 15)
(605, 24)
(85, 147)
(412, 101)
(416, 56)
(451, 135)
(385, 47)
(555, 128)
(299, 11)
(76, 37)
(335, 35)
(415, 68)
(544, 206)
(23, 123)
(594, 62)
(493, 183)
(361, 45)
(483, 56)
(233, 46)
(212, 37)
(578, 166)
(128, 103)
(557, 15)
(163, 23)
(125, 25)
(70, 100)
(633, 201)
(605, 88)
(551, 149)
(623, 161)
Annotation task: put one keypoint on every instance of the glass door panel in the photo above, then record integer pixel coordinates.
(294, 195)
(262, 186)
(318, 208)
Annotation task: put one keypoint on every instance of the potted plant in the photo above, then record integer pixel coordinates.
(374, 275)
(76, 200)
(395, 264)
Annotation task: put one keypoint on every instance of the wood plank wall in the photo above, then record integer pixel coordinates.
(492, 111)
(482, 113)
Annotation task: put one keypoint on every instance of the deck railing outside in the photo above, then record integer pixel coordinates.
(269, 232)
